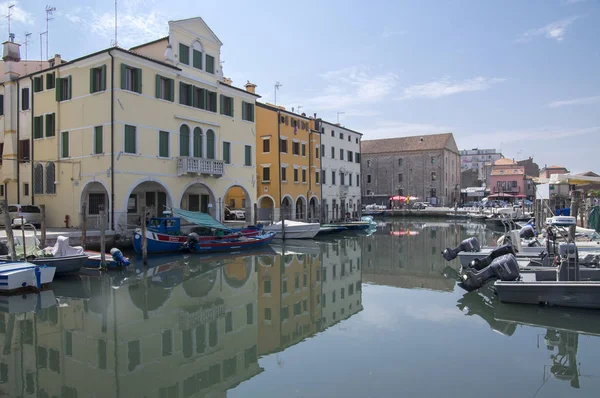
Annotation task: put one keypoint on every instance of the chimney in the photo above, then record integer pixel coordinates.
(11, 51)
(57, 60)
(250, 87)
(227, 81)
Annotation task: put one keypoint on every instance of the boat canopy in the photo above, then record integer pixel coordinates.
(199, 218)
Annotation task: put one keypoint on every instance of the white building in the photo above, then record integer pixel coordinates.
(476, 159)
(340, 171)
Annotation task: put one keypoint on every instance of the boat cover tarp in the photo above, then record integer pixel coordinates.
(199, 218)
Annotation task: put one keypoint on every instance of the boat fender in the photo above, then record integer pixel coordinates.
(481, 263)
(119, 258)
(505, 268)
(467, 245)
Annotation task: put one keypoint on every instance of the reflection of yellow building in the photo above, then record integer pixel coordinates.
(158, 336)
(288, 163)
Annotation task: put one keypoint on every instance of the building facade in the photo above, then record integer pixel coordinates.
(427, 167)
(340, 171)
(475, 159)
(116, 131)
(288, 164)
(507, 177)
(547, 171)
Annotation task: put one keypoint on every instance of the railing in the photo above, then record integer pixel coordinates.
(190, 165)
(507, 190)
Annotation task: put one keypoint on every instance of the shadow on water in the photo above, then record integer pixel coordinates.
(184, 326)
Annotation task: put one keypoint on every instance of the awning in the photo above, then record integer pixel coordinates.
(202, 219)
(501, 195)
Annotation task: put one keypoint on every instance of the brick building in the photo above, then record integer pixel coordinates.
(427, 167)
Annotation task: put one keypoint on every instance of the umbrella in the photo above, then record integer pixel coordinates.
(501, 195)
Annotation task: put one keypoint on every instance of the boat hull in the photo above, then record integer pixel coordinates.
(94, 260)
(305, 231)
(553, 293)
(20, 275)
(233, 245)
(67, 265)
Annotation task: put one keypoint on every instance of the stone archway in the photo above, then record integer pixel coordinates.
(313, 208)
(287, 207)
(197, 196)
(95, 197)
(266, 208)
(153, 194)
(237, 199)
(301, 208)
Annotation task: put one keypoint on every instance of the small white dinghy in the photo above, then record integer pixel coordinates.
(294, 230)
(19, 275)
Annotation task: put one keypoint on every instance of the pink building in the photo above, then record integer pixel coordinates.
(507, 177)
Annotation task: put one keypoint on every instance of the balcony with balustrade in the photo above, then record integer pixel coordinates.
(192, 165)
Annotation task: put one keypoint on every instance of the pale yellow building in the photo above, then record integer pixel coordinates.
(157, 125)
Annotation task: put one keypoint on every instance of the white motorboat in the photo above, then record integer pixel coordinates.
(19, 275)
(294, 230)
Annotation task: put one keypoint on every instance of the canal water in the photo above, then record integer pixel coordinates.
(351, 316)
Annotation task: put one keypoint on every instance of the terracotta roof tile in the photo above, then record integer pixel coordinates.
(508, 171)
(504, 162)
(401, 144)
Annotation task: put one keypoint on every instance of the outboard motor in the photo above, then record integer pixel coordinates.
(467, 245)
(504, 268)
(119, 258)
(193, 238)
(481, 263)
(527, 232)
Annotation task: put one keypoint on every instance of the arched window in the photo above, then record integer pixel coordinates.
(38, 179)
(198, 153)
(50, 178)
(210, 144)
(184, 140)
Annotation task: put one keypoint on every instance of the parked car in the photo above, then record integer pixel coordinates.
(31, 214)
(420, 205)
(234, 214)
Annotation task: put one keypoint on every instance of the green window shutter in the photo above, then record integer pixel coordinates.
(197, 142)
(184, 54)
(123, 76)
(92, 78)
(244, 110)
(232, 102)
(210, 144)
(98, 144)
(163, 144)
(227, 152)
(171, 90)
(210, 63)
(48, 125)
(222, 104)
(130, 139)
(157, 80)
(103, 78)
(137, 75)
(36, 127)
(184, 140)
(57, 85)
(248, 155)
(197, 59)
(69, 86)
(202, 104)
(250, 112)
(65, 144)
(190, 95)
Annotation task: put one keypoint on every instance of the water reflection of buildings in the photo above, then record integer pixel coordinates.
(396, 256)
(191, 330)
(301, 293)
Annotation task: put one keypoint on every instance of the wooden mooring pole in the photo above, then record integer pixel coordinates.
(9, 231)
(23, 236)
(283, 224)
(575, 195)
(83, 225)
(255, 213)
(43, 225)
(102, 239)
(144, 239)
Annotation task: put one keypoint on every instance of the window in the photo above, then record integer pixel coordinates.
(229, 322)
(197, 59)
(368, 192)
(332, 153)
(210, 144)
(163, 144)
(98, 140)
(247, 155)
(199, 98)
(226, 152)
(25, 189)
(185, 94)
(266, 174)
(165, 88)
(247, 111)
(25, 98)
(267, 286)
(226, 105)
(266, 145)
(184, 54)
(283, 145)
(433, 176)
(303, 175)
(63, 88)
(368, 163)
(350, 179)
(98, 79)
(198, 153)
(400, 177)
(357, 180)
(267, 314)
(50, 178)
(284, 174)
(400, 162)
(433, 193)
(211, 101)
(131, 79)
(64, 144)
(184, 140)
(342, 178)
(333, 177)
(368, 178)
(317, 174)
(285, 313)
(50, 125)
(332, 133)
(249, 314)
(50, 81)
(210, 63)
(341, 136)
(295, 148)
(341, 154)
(323, 177)
(323, 151)
(303, 149)
(38, 127)
(133, 354)
(296, 175)
(38, 179)
(350, 153)
(130, 144)
(38, 84)
(317, 152)
(433, 160)
(1, 104)
(167, 343)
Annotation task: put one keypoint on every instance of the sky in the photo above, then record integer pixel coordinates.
(520, 76)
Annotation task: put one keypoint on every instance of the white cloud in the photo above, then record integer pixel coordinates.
(575, 101)
(534, 134)
(444, 87)
(555, 30)
(17, 14)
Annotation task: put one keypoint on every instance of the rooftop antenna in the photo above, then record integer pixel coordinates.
(338, 116)
(115, 42)
(49, 11)
(10, 7)
(277, 87)
(27, 36)
(42, 50)
(299, 107)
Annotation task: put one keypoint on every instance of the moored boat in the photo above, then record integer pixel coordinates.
(294, 230)
(15, 276)
(115, 259)
(332, 229)
(226, 244)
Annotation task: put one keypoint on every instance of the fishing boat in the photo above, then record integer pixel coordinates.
(16, 276)
(226, 244)
(164, 234)
(295, 229)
